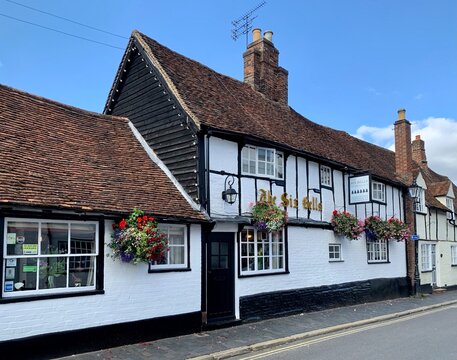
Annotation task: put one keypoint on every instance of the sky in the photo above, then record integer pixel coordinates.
(352, 64)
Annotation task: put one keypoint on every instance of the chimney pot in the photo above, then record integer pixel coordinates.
(256, 34)
(268, 35)
(401, 114)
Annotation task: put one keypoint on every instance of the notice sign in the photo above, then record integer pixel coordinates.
(30, 249)
(359, 189)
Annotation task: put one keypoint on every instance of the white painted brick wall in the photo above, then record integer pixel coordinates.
(130, 294)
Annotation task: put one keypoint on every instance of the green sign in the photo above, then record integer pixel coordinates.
(29, 268)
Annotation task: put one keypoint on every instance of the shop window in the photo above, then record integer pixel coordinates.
(453, 255)
(262, 161)
(378, 191)
(426, 257)
(326, 176)
(49, 256)
(261, 252)
(178, 247)
(377, 251)
(334, 252)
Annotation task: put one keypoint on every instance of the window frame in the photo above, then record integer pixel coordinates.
(453, 255)
(450, 205)
(325, 174)
(419, 204)
(426, 258)
(174, 267)
(255, 256)
(278, 166)
(56, 291)
(375, 191)
(380, 245)
(330, 252)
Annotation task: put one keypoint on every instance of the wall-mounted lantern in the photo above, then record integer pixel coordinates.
(229, 194)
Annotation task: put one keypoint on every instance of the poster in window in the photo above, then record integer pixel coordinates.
(30, 249)
(359, 189)
(11, 262)
(8, 286)
(10, 273)
(11, 238)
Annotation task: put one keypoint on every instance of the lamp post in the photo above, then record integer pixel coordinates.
(415, 192)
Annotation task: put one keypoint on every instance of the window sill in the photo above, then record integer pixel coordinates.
(50, 296)
(453, 265)
(426, 271)
(377, 262)
(156, 270)
(335, 261)
(263, 274)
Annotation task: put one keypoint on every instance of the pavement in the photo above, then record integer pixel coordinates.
(247, 337)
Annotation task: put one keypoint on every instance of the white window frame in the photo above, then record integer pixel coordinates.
(333, 255)
(165, 229)
(69, 256)
(450, 206)
(419, 204)
(378, 191)
(377, 251)
(276, 164)
(258, 244)
(454, 255)
(426, 257)
(326, 176)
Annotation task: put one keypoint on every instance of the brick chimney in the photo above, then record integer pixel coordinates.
(418, 148)
(261, 69)
(403, 153)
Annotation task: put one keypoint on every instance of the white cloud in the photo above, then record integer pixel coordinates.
(418, 96)
(439, 135)
(372, 90)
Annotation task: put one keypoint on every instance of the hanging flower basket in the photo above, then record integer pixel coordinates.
(346, 224)
(138, 239)
(398, 229)
(377, 228)
(268, 216)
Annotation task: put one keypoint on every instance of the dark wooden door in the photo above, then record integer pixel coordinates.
(221, 276)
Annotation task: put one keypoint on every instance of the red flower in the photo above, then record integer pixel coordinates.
(335, 212)
(139, 219)
(122, 224)
(151, 219)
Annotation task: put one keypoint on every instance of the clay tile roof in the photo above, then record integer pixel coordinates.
(58, 156)
(220, 102)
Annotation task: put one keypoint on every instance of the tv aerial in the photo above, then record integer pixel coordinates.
(243, 25)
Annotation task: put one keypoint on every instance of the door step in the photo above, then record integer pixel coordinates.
(439, 290)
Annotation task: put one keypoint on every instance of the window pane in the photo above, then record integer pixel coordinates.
(54, 238)
(81, 271)
(261, 154)
(82, 238)
(53, 272)
(261, 167)
(22, 238)
(20, 274)
(176, 255)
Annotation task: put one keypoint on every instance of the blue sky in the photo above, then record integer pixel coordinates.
(351, 63)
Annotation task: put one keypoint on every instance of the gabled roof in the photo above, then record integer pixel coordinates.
(437, 186)
(219, 102)
(57, 156)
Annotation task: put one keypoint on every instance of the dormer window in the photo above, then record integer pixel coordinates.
(326, 176)
(262, 161)
(378, 191)
(450, 206)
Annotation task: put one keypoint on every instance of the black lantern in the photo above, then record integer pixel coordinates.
(229, 195)
(415, 191)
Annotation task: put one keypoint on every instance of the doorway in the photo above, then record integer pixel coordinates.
(221, 276)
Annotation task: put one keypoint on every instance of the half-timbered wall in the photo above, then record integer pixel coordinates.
(301, 180)
(143, 97)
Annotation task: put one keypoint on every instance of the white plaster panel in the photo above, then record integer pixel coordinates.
(349, 208)
(447, 274)
(361, 214)
(327, 204)
(263, 185)
(248, 195)
(277, 191)
(338, 187)
(290, 176)
(223, 155)
(398, 213)
(421, 226)
(130, 294)
(389, 206)
(219, 207)
(309, 265)
(302, 187)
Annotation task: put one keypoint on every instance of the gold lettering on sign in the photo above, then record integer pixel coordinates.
(288, 201)
(265, 196)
